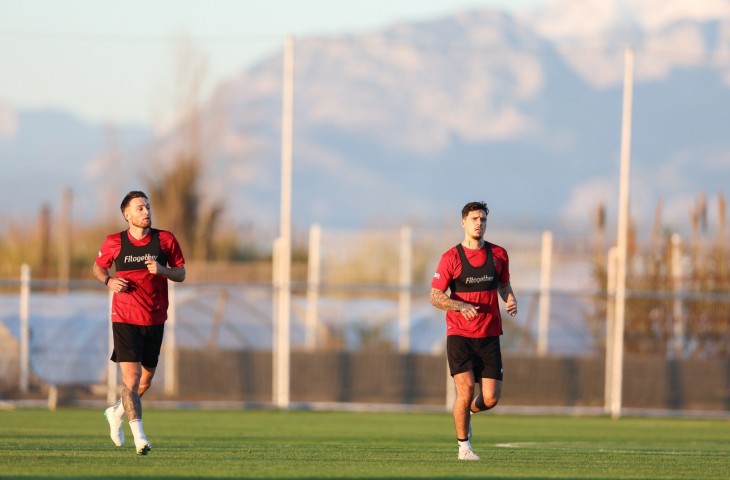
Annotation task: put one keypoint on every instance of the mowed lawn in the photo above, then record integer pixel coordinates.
(74, 443)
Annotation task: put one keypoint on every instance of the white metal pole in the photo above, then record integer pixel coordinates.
(275, 290)
(275, 318)
(404, 300)
(111, 369)
(313, 281)
(545, 272)
(610, 319)
(283, 320)
(24, 328)
(171, 342)
(623, 230)
(280, 380)
(287, 134)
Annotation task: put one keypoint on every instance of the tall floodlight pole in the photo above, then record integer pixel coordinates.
(622, 241)
(282, 249)
(610, 319)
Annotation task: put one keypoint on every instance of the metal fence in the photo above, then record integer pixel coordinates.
(347, 334)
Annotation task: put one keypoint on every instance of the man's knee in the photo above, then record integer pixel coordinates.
(465, 392)
(490, 401)
(145, 381)
(144, 385)
(482, 402)
(131, 384)
(131, 379)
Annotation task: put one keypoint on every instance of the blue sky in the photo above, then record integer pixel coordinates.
(114, 61)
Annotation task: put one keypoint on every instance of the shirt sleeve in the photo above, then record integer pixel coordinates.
(170, 245)
(503, 259)
(444, 272)
(109, 250)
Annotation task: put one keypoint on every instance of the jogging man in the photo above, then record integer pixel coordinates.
(145, 259)
(476, 273)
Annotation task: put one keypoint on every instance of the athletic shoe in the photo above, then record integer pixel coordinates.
(143, 446)
(468, 454)
(115, 427)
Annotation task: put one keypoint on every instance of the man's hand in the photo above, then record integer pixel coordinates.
(440, 300)
(469, 311)
(153, 267)
(118, 285)
(511, 305)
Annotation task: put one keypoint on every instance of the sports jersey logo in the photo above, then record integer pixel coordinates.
(437, 275)
(139, 258)
(484, 278)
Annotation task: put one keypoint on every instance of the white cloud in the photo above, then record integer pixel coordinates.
(656, 14)
(573, 19)
(587, 197)
(591, 35)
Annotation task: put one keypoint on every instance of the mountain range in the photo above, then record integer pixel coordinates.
(406, 124)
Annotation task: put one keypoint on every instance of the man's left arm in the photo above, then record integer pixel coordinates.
(174, 270)
(176, 274)
(505, 291)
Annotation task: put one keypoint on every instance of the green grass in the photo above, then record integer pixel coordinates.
(74, 443)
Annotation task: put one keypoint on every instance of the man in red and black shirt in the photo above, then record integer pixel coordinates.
(477, 274)
(144, 259)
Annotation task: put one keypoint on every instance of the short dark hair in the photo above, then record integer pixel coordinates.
(128, 198)
(473, 206)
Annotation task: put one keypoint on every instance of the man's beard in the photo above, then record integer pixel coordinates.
(143, 223)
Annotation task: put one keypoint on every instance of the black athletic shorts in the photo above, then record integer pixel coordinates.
(137, 343)
(481, 355)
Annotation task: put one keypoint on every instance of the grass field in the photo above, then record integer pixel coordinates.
(74, 443)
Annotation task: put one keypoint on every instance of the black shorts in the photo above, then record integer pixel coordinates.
(137, 343)
(481, 355)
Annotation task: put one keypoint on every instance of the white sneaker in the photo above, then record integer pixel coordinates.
(468, 454)
(115, 427)
(142, 445)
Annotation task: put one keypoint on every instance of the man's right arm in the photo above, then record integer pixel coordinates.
(101, 274)
(440, 300)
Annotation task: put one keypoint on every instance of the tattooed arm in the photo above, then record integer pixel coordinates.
(440, 300)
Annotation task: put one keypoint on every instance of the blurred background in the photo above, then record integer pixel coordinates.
(402, 112)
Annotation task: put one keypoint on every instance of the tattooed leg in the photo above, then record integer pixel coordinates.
(132, 404)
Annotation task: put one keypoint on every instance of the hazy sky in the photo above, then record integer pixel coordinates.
(114, 61)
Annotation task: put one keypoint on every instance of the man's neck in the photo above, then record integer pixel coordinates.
(138, 233)
(473, 243)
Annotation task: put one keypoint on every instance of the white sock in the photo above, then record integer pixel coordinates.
(136, 426)
(465, 445)
(118, 410)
